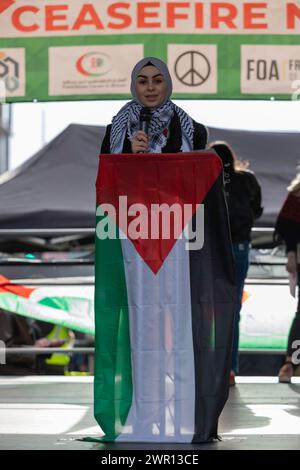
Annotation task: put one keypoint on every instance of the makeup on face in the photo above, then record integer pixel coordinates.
(150, 87)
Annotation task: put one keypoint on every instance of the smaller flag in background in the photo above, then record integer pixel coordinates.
(76, 313)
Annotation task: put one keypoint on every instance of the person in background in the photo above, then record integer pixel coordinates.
(17, 331)
(288, 228)
(243, 195)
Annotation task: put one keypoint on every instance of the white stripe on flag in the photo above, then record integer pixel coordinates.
(162, 354)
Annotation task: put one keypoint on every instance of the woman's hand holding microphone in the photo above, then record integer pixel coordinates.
(139, 142)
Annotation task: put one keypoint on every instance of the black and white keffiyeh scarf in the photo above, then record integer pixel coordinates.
(126, 123)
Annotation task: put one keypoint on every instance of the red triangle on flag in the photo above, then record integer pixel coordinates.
(152, 180)
(7, 287)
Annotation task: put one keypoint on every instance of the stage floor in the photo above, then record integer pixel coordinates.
(53, 412)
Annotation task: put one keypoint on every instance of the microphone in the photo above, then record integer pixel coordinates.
(145, 118)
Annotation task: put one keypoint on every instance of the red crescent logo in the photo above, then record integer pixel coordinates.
(80, 67)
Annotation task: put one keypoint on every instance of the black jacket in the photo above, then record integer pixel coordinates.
(287, 226)
(174, 141)
(243, 196)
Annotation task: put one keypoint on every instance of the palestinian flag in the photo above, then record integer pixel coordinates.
(72, 312)
(163, 313)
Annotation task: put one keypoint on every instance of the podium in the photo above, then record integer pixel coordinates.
(164, 297)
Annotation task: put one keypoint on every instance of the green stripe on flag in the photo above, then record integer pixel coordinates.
(113, 374)
(70, 312)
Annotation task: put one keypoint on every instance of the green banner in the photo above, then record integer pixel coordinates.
(85, 50)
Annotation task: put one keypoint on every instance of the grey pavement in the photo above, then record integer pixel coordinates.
(48, 412)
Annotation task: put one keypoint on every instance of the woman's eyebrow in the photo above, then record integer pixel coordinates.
(154, 76)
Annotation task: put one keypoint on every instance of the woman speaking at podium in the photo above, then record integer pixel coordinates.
(163, 312)
(170, 129)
